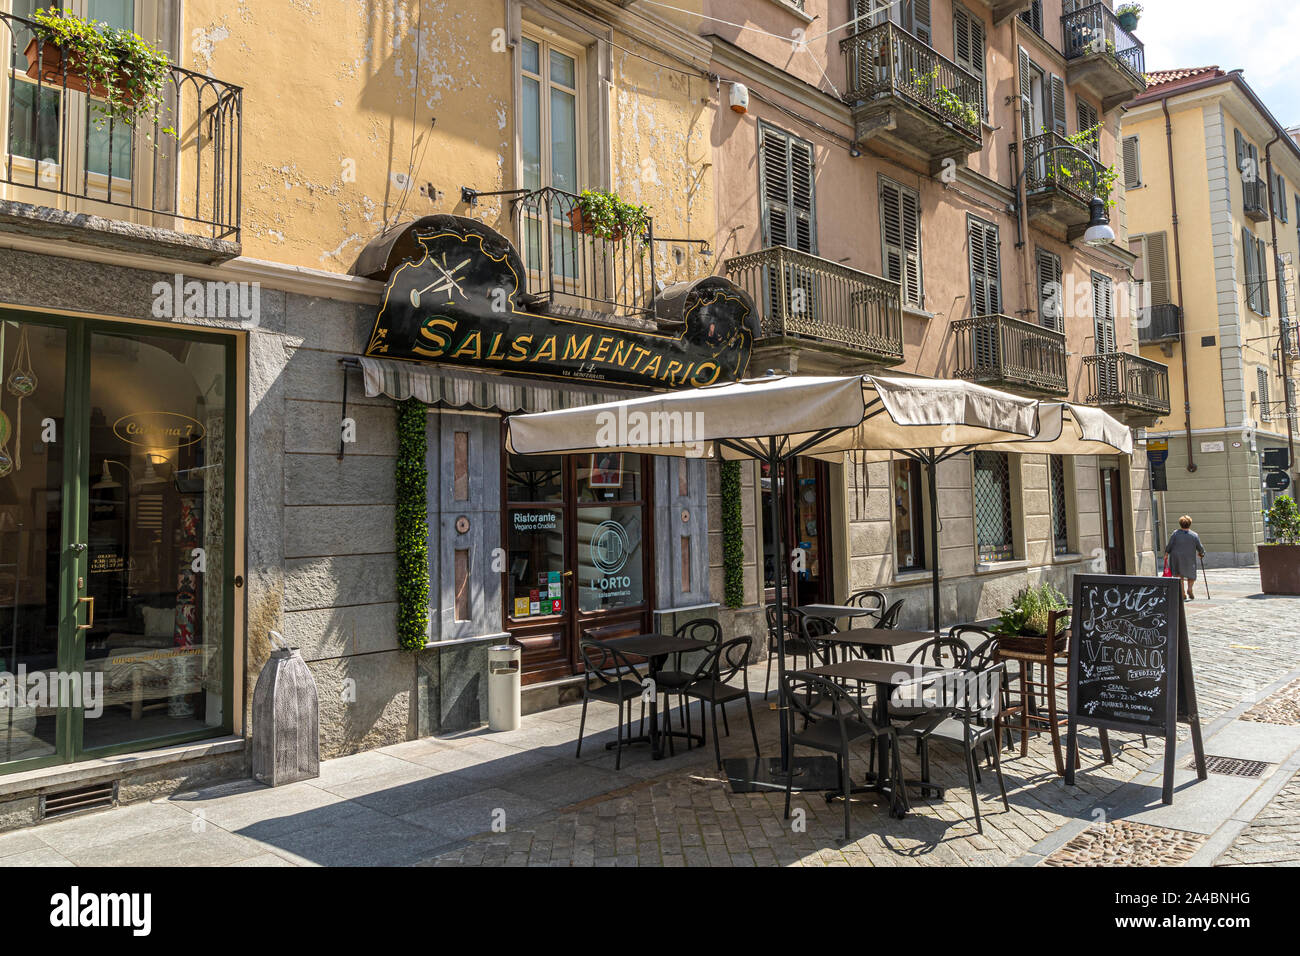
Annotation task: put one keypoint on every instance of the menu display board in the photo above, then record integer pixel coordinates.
(1130, 666)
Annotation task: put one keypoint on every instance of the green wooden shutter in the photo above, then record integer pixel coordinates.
(1261, 253)
(968, 49)
(1026, 94)
(1103, 308)
(1252, 286)
(985, 267)
(1057, 87)
(1087, 117)
(1132, 160)
(787, 182)
(916, 18)
(1157, 268)
(900, 239)
(1240, 144)
(1051, 313)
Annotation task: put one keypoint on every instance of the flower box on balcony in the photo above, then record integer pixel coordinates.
(587, 225)
(52, 67)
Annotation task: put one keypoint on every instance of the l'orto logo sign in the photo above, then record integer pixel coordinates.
(460, 303)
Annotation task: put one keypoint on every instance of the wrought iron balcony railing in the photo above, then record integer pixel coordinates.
(54, 142)
(804, 296)
(1127, 381)
(1160, 323)
(1096, 29)
(887, 61)
(1068, 171)
(569, 266)
(1000, 350)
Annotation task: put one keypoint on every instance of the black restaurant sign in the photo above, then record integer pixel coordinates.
(1130, 666)
(459, 301)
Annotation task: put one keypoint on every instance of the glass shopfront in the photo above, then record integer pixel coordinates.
(579, 554)
(116, 491)
(804, 509)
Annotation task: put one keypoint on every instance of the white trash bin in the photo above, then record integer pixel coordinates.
(503, 687)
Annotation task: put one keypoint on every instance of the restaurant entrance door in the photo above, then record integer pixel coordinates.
(579, 555)
(804, 506)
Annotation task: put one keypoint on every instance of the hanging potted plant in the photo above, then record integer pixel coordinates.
(1279, 562)
(1128, 15)
(116, 66)
(606, 216)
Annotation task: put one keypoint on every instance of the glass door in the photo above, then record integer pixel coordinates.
(115, 568)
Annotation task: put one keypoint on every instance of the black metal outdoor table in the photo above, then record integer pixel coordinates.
(833, 612)
(877, 637)
(886, 675)
(655, 648)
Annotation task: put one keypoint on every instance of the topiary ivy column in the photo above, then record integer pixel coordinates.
(733, 536)
(412, 526)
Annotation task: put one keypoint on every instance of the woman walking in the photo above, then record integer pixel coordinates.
(1181, 551)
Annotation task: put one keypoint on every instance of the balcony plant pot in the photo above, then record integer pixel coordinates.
(51, 71)
(1128, 20)
(1279, 568)
(584, 224)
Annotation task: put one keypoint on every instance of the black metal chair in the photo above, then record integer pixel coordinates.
(869, 598)
(832, 721)
(794, 644)
(712, 685)
(607, 671)
(674, 678)
(965, 713)
(889, 619)
(938, 651)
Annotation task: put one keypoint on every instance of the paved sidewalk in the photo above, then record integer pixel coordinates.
(523, 798)
(1273, 838)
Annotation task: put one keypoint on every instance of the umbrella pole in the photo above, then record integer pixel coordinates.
(778, 579)
(931, 466)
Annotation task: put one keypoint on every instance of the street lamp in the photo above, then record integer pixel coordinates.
(1099, 232)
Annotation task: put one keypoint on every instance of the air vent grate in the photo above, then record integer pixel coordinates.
(66, 803)
(1231, 766)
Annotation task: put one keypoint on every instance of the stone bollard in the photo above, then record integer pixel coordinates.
(286, 719)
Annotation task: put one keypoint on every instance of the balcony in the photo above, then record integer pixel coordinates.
(1003, 9)
(1135, 387)
(1160, 323)
(1102, 56)
(809, 301)
(1058, 185)
(576, 273)
(1254, 199)
(68, 173)
(1001, 351)
(910, 97)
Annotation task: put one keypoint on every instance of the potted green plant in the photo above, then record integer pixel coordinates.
(1128, 15)
(1024, 624)
(123, 72)
(606, 216)
(1279, 562)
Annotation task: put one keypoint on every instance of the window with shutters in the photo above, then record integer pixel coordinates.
(1087, 118)
(1060, 504)
(785, 172)
(1280, 274)
(985, 267)
(1250, 265)
(994, 532)
(1103, 312)
(1280, 200)
(1033, 17)
(1051, 300)
(1262, 276)
(1265, 409)
(900, 240)
(1154, 285)
(912, 15)
(968, 32)
(1132, 159)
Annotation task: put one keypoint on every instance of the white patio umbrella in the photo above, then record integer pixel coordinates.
(778, 418)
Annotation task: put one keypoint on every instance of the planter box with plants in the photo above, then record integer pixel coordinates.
(1279, 563)
(1024, 625)
(120, 69)
(606, 216)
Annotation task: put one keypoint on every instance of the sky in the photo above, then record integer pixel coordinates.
(1259, 37)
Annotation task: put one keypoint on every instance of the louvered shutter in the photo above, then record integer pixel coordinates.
(1157, 268)
(1103, 312)
(1088, 119)
(891, 231)
(1026, 94)
(786, 180)
(900, 240)
(1240, 144)
(1261, 276)
(916, 19)
(1262, 396)
(968, 49)
(1283, 292)
(1057, 86)
(1051, 313)
(801, 195)
(1132, 162)
(985, 268)
(1252, 286)
(913, 288)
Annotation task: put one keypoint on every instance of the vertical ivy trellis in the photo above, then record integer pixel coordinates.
(733, 537)
(411, 527)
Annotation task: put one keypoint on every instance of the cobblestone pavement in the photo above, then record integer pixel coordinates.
(436, 801)
(1242, 643)
(1273, 838)
(1124, 843)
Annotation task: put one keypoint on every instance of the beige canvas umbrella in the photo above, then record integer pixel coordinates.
(778, 418)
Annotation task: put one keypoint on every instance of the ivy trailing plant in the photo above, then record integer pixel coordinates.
(115, 64)
(606, 216)
(733, 536)
(412, 526)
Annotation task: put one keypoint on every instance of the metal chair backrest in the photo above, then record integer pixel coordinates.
(703, 629)
(814, 631)
(942, 652)
(791, 624)
(889, 619)
(807, 692)
(733, 659)
(869, 598)
(983, 644)
(606, 663)
(974, 696)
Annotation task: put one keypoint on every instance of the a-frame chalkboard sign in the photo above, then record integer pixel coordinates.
(1130, 666)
